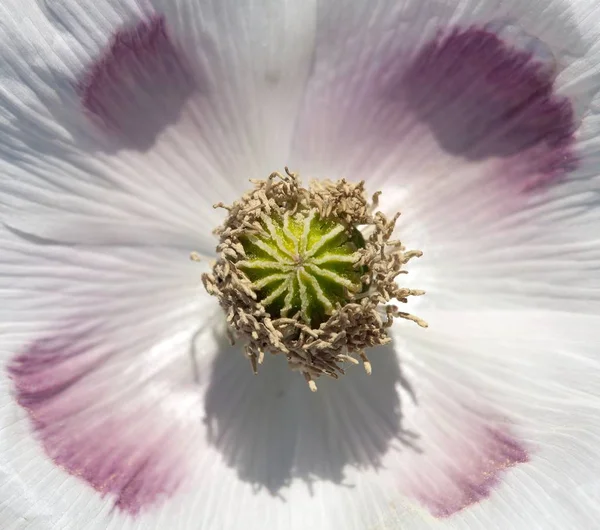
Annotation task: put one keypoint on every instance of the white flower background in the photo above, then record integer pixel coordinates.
(121, 403)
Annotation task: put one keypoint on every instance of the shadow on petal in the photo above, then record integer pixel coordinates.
(271, 429)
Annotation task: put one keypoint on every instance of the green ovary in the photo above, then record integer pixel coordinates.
(303, 265)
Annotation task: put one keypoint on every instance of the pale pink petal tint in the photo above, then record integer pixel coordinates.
(138, 86)
(89, 425)
(483, 101)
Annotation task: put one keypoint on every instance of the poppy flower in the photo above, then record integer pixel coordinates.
(123, 403)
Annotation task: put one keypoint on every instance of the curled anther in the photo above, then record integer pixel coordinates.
(412, 318)
(347, 358)
(375, 200)
(311, 384)
(366, 362)
(407, 256)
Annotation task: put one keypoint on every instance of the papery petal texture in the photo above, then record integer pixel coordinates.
(480, 126)
(122, 404)
(103, 200)
(98, 120)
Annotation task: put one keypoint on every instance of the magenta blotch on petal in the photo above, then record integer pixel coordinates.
(475, 473)
(468, 121)
(121, 449)
(483, 97)
(138, 85)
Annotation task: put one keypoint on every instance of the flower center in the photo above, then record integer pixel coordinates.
(309, 274)
(302, 266)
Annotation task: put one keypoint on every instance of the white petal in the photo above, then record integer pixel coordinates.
(254, 58)
(531, 375)
(464, 117)
(356, 452)
(108, 113)
(96, 350)
(341, 436)
(285, 457)
(112, 145)
(374, 110)
(490, 243)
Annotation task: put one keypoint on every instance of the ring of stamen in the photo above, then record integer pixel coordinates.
(296, 277)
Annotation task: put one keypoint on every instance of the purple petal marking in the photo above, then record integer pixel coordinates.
(483, 97)
(475, 476)
(138, 86)
(120, 448)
